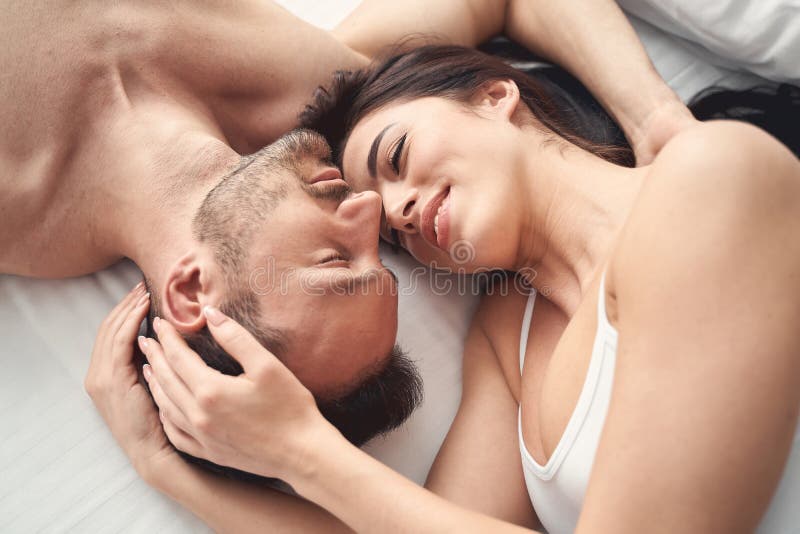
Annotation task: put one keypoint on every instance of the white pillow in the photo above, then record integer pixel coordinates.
(759, 36)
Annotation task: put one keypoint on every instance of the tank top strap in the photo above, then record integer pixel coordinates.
(603, 324)
(526, 328)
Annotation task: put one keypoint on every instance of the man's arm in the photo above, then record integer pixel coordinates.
(594, 41)
(376, 25)
(256, 64)
(245, 58)
(590, 38)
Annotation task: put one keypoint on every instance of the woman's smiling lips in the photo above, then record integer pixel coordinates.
(436, 232)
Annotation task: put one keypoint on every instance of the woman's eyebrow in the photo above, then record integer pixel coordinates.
(372, 158)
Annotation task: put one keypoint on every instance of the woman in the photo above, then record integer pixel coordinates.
(489, 166)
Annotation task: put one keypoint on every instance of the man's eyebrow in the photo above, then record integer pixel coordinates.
(372, 158)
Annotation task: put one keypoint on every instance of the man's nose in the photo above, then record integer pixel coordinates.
(361, 208)
(360, 217)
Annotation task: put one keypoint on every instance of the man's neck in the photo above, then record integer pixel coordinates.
(576, 209)
(152, 223)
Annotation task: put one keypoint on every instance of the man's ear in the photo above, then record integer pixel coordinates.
(190, 285)
(498, 97)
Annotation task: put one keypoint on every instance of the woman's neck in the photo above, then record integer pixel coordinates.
(576, 205)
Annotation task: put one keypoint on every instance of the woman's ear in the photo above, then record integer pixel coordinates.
(498, 97)
(188, 289)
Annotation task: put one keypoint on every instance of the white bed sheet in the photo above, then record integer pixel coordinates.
(60, 469)
(762, 37)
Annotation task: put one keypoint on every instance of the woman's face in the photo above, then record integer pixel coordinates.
(448, 173)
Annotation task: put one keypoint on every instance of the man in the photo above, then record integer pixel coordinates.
(118, 119)
(281, 232)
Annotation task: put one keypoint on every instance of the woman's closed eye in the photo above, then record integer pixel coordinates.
(396, 153)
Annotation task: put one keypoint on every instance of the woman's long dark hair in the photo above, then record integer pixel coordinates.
(554, 97)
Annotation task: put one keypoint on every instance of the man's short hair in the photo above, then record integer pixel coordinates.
(226, 221)
(379, 403)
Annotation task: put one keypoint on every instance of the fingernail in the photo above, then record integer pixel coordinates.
(147, 371)
(156, 323)
(144, 298)
(143, 343)
(137, 287)
(213, 315)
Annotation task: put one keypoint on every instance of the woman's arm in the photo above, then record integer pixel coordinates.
(707, 382)
(238, 507)
(370, 497)
(479, 466)
(226, 505)
(209, 415)
(590, 38)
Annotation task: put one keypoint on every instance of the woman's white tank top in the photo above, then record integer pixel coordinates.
(557, 489)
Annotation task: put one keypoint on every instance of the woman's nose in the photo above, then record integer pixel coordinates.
(402, 211)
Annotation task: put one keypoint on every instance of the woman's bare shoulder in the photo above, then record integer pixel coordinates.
(712, 188)
(725, 150)
(714, 168)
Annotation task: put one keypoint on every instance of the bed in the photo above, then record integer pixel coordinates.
(60, 469)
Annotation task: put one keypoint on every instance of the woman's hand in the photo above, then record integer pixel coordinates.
(264, 421)
(260, 421)
(112, 382)
(657, 128)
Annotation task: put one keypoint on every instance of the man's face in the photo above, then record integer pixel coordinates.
(317, 276)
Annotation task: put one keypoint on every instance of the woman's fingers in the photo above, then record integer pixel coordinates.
(104, 341)
(166, 408)
(105, 331)
(118, 314)
(182, 361)
(236, 341)
(180, 439)
(125, 336)
(170, 386)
